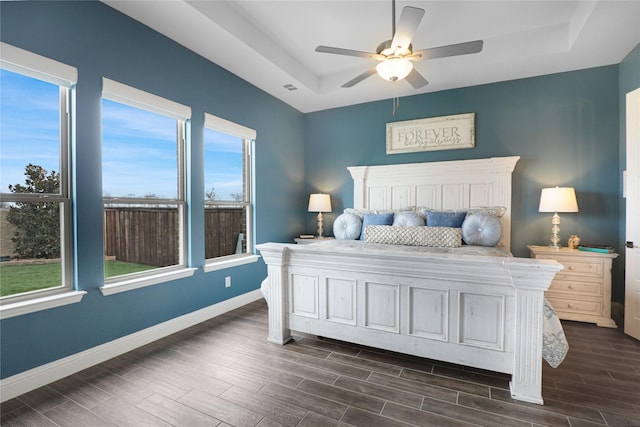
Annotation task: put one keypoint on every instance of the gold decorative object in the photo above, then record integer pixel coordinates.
(574, 241)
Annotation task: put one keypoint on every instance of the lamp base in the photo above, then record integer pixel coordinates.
(555, 229)
(320, 228)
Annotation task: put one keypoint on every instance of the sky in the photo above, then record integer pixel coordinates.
(29, 127)
(139, 152)
(222, 164)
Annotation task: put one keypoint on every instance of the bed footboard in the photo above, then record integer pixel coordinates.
(485, 312)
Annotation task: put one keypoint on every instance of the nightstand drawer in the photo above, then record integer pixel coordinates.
(576, 306)
(573, 267)
(575, 288)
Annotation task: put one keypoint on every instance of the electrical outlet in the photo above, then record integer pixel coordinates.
(227, 282)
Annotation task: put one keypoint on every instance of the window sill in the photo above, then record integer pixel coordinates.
(230, 261)
(39, 304)
(141, 282)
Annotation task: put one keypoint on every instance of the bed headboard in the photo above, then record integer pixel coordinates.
(456, 184)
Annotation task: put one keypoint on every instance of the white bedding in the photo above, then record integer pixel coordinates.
(554, 346)
(359, 245)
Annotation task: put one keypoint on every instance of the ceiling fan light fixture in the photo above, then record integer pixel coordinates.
(394, 69)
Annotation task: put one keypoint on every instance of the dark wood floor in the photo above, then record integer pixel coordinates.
(223, 372)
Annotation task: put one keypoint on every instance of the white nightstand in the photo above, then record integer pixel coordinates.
(301, 241)
(582, 291)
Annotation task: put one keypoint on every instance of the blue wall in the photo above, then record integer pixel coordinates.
(565, 128)
(100, 41)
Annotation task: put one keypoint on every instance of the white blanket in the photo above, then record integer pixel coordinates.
(554, 344)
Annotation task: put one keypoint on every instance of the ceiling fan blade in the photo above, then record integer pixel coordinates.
(405, 30)
(360, 78)
(450, 50)
(416, 80)
(349, 52)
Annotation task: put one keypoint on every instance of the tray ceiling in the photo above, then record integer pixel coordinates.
(271, 44)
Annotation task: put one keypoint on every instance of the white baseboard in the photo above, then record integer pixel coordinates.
(42, 375)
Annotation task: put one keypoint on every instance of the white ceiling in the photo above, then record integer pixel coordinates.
(272, 43)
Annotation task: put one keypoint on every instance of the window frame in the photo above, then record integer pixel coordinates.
(248, 137)
(64, 76)
(136, 98)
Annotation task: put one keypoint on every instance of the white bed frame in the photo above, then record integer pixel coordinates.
(484, 312)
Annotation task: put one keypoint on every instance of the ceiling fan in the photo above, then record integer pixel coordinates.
(395, 56)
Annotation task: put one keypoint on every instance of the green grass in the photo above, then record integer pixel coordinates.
(118, 268)
(16, 279)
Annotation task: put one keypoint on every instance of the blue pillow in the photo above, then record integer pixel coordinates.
(375, 219)
(445, 218)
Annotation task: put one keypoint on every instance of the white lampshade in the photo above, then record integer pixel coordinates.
(394, 69)
(558, 199)
(319, 203)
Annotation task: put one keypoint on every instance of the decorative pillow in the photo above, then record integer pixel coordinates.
(362, 212)
(407, 219)
(347, 226)
(359, 212)
(443, 237)
(498, 211)
(481, 229)
(436, 218)
(375, 219)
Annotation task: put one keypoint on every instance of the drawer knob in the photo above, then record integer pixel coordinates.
(571, 267)
(571, 286)
(569, 305)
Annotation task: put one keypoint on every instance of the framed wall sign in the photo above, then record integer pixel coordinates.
(436, 133)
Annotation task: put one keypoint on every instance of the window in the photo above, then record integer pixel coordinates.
(36, 96)
(143, 179)
(228, 209)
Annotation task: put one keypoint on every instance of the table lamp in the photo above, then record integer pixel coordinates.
(319, 203)
(557, 199)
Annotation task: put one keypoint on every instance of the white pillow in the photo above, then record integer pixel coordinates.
(498, 211)
(359, 212)
(347, 226)
(481, 229)
(407, 219)
(362, 212)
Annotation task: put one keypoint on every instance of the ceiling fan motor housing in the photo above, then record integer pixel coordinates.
(386, 49)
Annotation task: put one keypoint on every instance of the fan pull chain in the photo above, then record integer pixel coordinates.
(396, 104)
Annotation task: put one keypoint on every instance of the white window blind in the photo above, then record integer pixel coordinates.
(230, 128)
(124, 94)
(30, 64)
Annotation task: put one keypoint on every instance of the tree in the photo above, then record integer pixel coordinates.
(38, 223)
(210, 196)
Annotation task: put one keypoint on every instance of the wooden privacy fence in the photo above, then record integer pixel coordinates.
(222, 227)
(150, 236)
